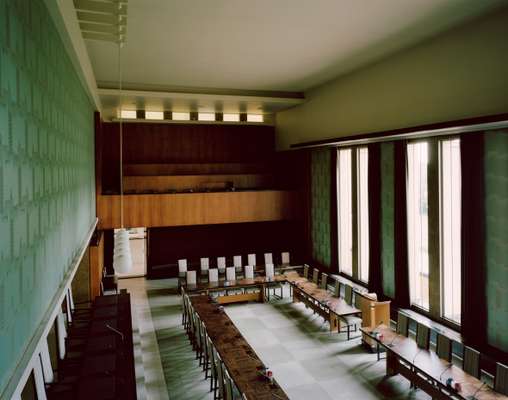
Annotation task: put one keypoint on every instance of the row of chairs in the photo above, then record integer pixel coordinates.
(230, 275)
(221, 263)
(471, 357)
(209, 359)
(348, 294)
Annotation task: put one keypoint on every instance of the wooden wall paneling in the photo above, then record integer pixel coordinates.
(152, 210)
(167, 245)
(195, 143)
(96, 263)
(195, 169)
(165, 183)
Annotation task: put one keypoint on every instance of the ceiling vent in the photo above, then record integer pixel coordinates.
(104, 20)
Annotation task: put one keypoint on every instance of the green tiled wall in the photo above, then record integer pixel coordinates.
(387, 219)
(496, 230)
(320, 206)
(47, 199)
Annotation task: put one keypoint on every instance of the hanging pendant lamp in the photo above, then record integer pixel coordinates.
(122, 260)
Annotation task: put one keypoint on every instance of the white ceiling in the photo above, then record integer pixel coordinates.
(273, 45)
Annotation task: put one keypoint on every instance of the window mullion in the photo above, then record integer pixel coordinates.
(354, 210)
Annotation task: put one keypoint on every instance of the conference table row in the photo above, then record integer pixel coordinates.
(425, 370)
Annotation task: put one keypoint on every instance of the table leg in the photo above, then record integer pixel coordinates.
(391, 364)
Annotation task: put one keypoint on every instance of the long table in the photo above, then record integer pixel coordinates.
(425, 369)
(238, 356)
(321, 301)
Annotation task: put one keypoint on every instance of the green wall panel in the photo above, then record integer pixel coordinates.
(320, 206)
(387, 219)
(47, 198)
(496, 230)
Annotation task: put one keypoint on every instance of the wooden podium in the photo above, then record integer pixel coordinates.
(374, 313)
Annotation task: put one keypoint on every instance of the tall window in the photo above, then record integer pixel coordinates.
(345, 210)
(353, 212)
(450, 221)
(417, 223)
(362, 192)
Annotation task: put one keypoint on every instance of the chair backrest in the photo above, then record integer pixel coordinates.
(422, 336)
(402, 324)
(324, 281)
(336, 289)
(249, 272)
(501, 379)
(269, 270)
(348, 294)
(228, 386)
(306, 271)
(205, 263)
(315, 275)
(251, 259)
(230, 273)
(444, 347)
(213, 275)
(221, 263)
(191, 278)
(285, 258)
(268, 258)
(471, 361)
(237, 261)
(182, 265)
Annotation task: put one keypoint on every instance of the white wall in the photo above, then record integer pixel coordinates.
(460, 74)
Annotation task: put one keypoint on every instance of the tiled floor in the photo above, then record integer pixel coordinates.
(307, 361)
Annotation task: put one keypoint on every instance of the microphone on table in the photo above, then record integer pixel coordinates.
(115, 330)
(473, 397)
(391, 344)
(416, 355)
(377, 326)
(444, 370)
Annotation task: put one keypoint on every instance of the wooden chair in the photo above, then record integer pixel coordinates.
(204, 263)
(269, 270)
(221, 266)
(351, 321)
(231, 274)
(306, 271)
(237, 263)
(268, 258)
(251, 259)
(501, 379)
(315, 275)
(336, 289)
(191, 278)
(324, 281)
(444, 347)
(422, 336)
(249, 272)
(213, 275)
(285, 258)
(348, 294)
(182, 268)
(471, 362)
(402, 324)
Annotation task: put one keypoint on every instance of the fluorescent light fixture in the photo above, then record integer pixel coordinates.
(181, 116)
(206, 117)
(154, 115)
(231, 117)
(255, 118)
(128, 114)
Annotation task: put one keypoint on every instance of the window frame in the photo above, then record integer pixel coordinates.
(441, 231)
(435, 307)
(354, 199)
